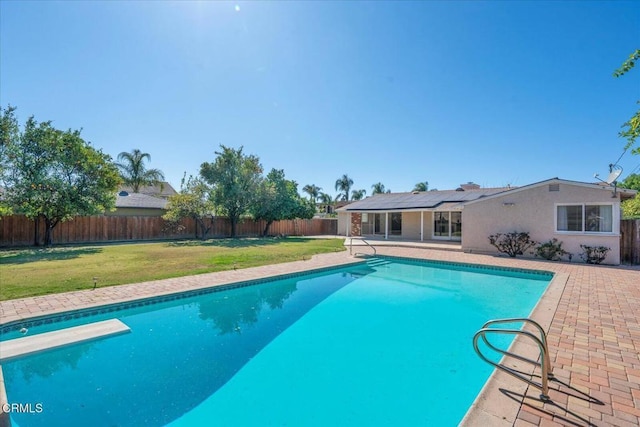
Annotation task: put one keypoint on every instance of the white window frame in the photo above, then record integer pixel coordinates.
(615, 219)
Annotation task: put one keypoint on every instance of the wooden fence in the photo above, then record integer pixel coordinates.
(630, 241)
(18, 230)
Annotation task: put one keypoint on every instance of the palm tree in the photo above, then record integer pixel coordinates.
(313, 191)
(344, 184)
(327, 201)
(358, 194)
(133, 171)
(378, 188)
(421, 186)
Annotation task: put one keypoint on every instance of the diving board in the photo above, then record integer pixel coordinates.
(49, 340)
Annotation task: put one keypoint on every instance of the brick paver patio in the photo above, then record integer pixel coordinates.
(594, 335)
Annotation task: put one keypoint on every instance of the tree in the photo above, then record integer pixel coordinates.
(278, 199)
(235, 178)
(358, 194)
(631, 207)
(631, 182)
(133, 171)
(378, 188)
(193, 201)
(421, 186)
(344, 184)
(55, 175)
(313, 191)
(327, 201)
(9, 131)
(631, 128)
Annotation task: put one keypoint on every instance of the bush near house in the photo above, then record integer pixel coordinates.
(512, 244)
(552, 251)
(594, 254)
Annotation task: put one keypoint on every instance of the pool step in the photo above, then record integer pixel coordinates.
(375, 262)
(49, 340)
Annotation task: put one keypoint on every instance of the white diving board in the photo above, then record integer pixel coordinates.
(49, 340)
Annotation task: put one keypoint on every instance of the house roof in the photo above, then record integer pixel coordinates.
(163, 190)
(140, 201)
(624, 192)
(436, 200)
(453, 200)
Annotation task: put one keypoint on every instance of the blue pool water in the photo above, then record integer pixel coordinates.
(361, 345)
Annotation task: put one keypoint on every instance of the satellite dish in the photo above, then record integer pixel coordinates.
(614, 172)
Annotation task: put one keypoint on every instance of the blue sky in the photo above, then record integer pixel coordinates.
(399, 92)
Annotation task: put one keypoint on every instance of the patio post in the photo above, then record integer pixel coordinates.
(386, 225)
(421, 226)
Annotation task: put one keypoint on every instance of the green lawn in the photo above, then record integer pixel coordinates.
(30, 272)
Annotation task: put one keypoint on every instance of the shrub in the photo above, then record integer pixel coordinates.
(512, 244)
(594, 254)
(552, 250)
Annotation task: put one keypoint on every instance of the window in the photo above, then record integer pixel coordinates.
(396, 223)
(584, 218)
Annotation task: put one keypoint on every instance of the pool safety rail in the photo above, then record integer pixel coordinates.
(363, 241)
(492, 327)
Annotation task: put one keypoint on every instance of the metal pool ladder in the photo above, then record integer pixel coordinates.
(541, 341)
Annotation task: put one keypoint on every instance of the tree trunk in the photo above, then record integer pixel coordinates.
(36, 231)
(205, 230)
(48, 228)
(234, 223)
(266, 228)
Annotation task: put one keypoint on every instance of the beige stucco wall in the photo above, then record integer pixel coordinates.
(533, 210)
(411, 225)
(343, 221)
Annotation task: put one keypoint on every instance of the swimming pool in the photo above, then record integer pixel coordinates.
(383, 343)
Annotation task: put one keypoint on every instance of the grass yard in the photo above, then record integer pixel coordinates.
(31, 272)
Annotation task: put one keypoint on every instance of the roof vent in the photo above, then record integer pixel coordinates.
(554, 187)
(123, 193)
(415, 192)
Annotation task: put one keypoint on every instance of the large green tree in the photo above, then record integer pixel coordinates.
(278, 199)
(631, 128)
(193, 201)
(55, 175)
(344, 184)
(134, 171)
(235, 179)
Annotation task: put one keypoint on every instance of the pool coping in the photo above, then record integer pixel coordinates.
(483, 411)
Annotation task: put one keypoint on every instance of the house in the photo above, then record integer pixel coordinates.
(148, 201)
(575, 213)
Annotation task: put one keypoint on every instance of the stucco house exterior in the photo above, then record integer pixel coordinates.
(575, 213)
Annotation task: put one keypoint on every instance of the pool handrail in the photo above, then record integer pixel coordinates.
(365, 242)
(540, 341)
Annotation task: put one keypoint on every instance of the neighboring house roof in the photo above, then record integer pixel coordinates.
(437, 200)
(139, 200)
(153, 190)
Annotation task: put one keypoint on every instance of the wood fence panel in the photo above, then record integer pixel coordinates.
(630, 241)
(17, 230)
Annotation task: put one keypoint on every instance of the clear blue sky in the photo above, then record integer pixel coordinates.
(398, 92)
